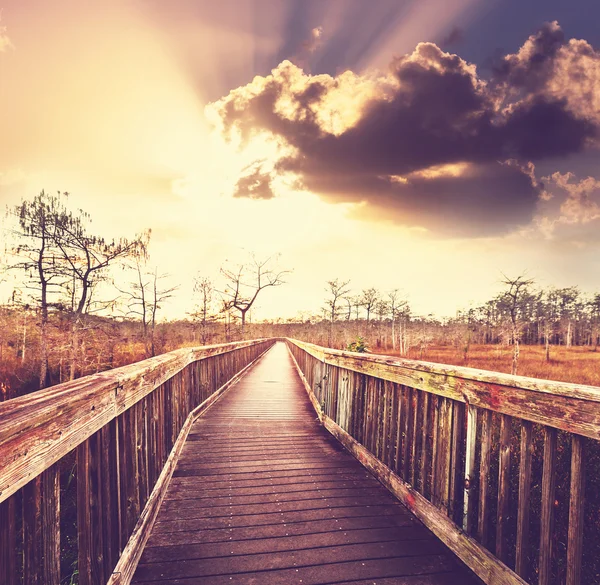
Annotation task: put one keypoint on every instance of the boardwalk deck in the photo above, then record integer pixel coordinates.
(263, 494)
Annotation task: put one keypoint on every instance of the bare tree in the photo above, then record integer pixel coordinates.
(244, 283)
(159, 296)
(369, 299)
(337, 292)
(512, 303)
(204, 312)
(40, 260)
(143, 300)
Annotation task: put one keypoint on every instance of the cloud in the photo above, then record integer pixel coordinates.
(429, 144)
(570, 212)
(5, 42)
(256, 184)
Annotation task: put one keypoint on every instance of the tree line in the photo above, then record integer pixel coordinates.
(83, 304)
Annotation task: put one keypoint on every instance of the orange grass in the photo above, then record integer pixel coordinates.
(580, 365)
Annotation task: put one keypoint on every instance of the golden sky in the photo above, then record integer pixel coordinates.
(109, 102)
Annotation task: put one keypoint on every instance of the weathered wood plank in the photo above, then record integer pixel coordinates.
(32, 533)
(547, 511)
(423, 466)
(477, 558)
(469, 484)
(576, 510)
(38, 429)
(503, 488)
(444, 448)
(570, 407)
(484, 475)
(84, 514)
(456, 475)
(8, 542)
(51, 525)
(522, 560)
(125, 568)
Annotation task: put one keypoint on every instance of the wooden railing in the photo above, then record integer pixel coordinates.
(494, 464)
(124, 429)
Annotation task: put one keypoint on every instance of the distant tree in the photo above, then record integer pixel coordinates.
(40, 260)
(204, 312)
(369, 300)
(513, 304)
(244, 282)
(337, 290)
(144, 297)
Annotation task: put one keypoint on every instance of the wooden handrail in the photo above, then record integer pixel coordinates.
(570, 407)
(127, 427)
(38, 429)
(427, 431)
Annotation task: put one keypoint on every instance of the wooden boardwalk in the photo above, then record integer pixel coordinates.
(262, 494)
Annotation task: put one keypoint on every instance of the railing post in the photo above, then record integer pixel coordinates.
(470, 468)
(51, 525)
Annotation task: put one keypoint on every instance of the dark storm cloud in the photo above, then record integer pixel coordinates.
(428, 144)
(533, 65)
(256, 184)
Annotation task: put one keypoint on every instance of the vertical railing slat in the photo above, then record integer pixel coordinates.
(547, 511)
(483, 513)
(424, 447)
(522, 558)
(503, 488)
(576, 509)
(458, 420)
(8, 541)
(469, 468)
(51, 525)
(32, 533)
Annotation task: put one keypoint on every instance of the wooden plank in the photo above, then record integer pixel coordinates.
(125, 568)
(435, 432)
(547, 511)
(407, 432)
(84, 517)
(110, 495)
(444, 454)
(38, 429)
(455, 494)
(423, 466)
(399, 418)
(32, 533)
(8, 542)
(469, 484)
(571, 407)
(576, 511)
(502, 515)
(477, 558)
(51, 525)
(522, 557)
(414, 434)
(484, 475)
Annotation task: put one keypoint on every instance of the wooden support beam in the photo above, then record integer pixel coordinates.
(547, 512)
(576, 509)
(522, 559)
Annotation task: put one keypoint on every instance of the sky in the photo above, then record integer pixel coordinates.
(424, 145)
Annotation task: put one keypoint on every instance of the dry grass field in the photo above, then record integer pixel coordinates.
(580, 365)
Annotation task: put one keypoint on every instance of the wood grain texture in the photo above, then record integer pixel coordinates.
(126, 566)
(522, 559)
(571, 407)
(483, 563)
(38, 429)
(576, 511)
